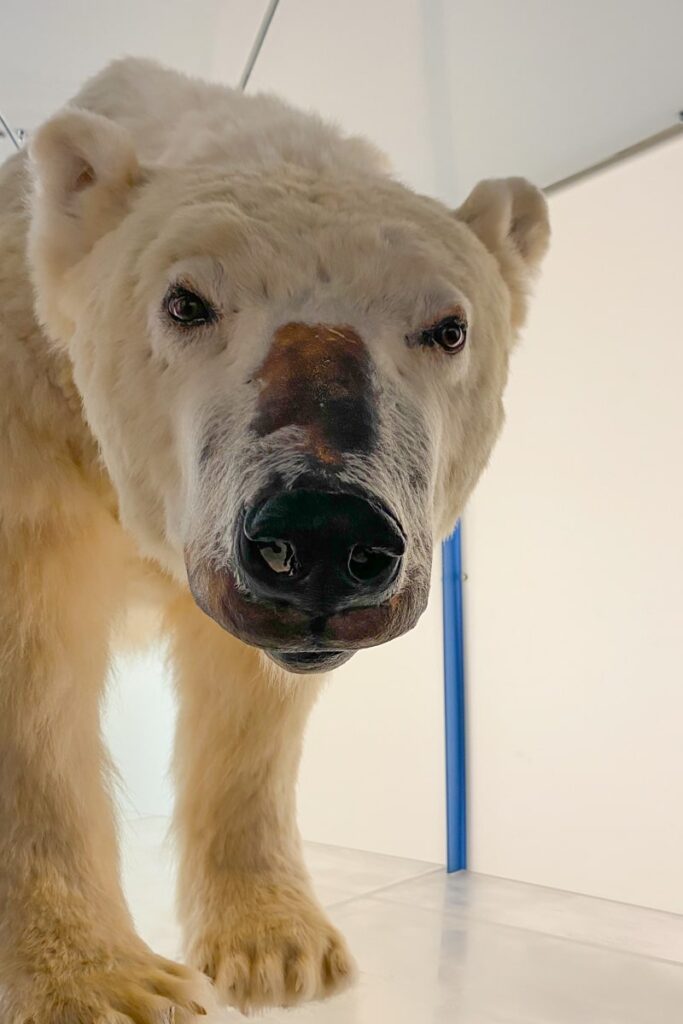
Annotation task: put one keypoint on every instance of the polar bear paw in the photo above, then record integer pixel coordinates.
(273, 946)
(135, 987)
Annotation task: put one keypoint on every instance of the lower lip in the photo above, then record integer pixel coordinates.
(309, 661)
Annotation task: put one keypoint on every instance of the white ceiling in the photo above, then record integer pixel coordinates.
(6, 148)
(47, 49)
(458, 91)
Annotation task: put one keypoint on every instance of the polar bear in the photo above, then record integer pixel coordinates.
(250, 378)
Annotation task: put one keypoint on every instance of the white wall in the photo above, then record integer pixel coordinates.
(138, 722)
(6, 147)
(373, 774)
(574, 550)
(363, 64)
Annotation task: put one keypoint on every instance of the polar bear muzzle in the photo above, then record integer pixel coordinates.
(320, 378)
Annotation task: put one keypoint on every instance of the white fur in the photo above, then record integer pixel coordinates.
(147, 178)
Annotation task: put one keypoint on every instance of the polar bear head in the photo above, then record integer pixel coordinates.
(295, 373)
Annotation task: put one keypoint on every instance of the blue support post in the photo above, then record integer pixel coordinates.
(454, 684)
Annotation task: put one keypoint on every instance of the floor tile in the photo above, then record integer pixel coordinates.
(459, 949)
(339, 874)
(564, 914)
(429, 967)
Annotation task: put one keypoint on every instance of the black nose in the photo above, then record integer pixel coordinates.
(320, 551)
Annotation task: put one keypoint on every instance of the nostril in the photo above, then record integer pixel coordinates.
(279, 555)
(367, 565)
(319, 550)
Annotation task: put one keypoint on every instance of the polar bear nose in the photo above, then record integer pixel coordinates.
(320, 551)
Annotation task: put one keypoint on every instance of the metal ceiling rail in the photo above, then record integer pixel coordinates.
(258, 43)
(14, 137)
(622, 154)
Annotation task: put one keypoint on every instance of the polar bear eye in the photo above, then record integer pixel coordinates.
(450, 335)
(188, 309)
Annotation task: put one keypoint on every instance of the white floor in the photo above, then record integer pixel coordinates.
(461, 949)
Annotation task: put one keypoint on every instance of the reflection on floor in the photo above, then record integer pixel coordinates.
(464, 949)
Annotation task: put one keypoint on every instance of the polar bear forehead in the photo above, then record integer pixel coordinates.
(266, 241)
(297, 199)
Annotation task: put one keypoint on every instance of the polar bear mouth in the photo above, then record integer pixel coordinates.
(292, 638)
(303, 662)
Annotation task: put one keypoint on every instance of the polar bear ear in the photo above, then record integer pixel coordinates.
(510, 216)
(84, 168)
(84, 172)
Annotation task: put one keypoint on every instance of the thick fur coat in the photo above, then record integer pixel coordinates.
(134, 440)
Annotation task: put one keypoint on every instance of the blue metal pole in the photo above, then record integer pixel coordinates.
(454, 685)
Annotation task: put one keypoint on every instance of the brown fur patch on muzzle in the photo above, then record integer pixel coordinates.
(320, 378)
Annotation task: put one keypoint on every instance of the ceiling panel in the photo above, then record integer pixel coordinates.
(50, 48)
(459, 91)
(547, 89)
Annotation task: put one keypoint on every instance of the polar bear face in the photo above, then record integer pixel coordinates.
(295, 377)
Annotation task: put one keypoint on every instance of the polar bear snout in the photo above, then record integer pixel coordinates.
(320, 551)
(314, 576)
